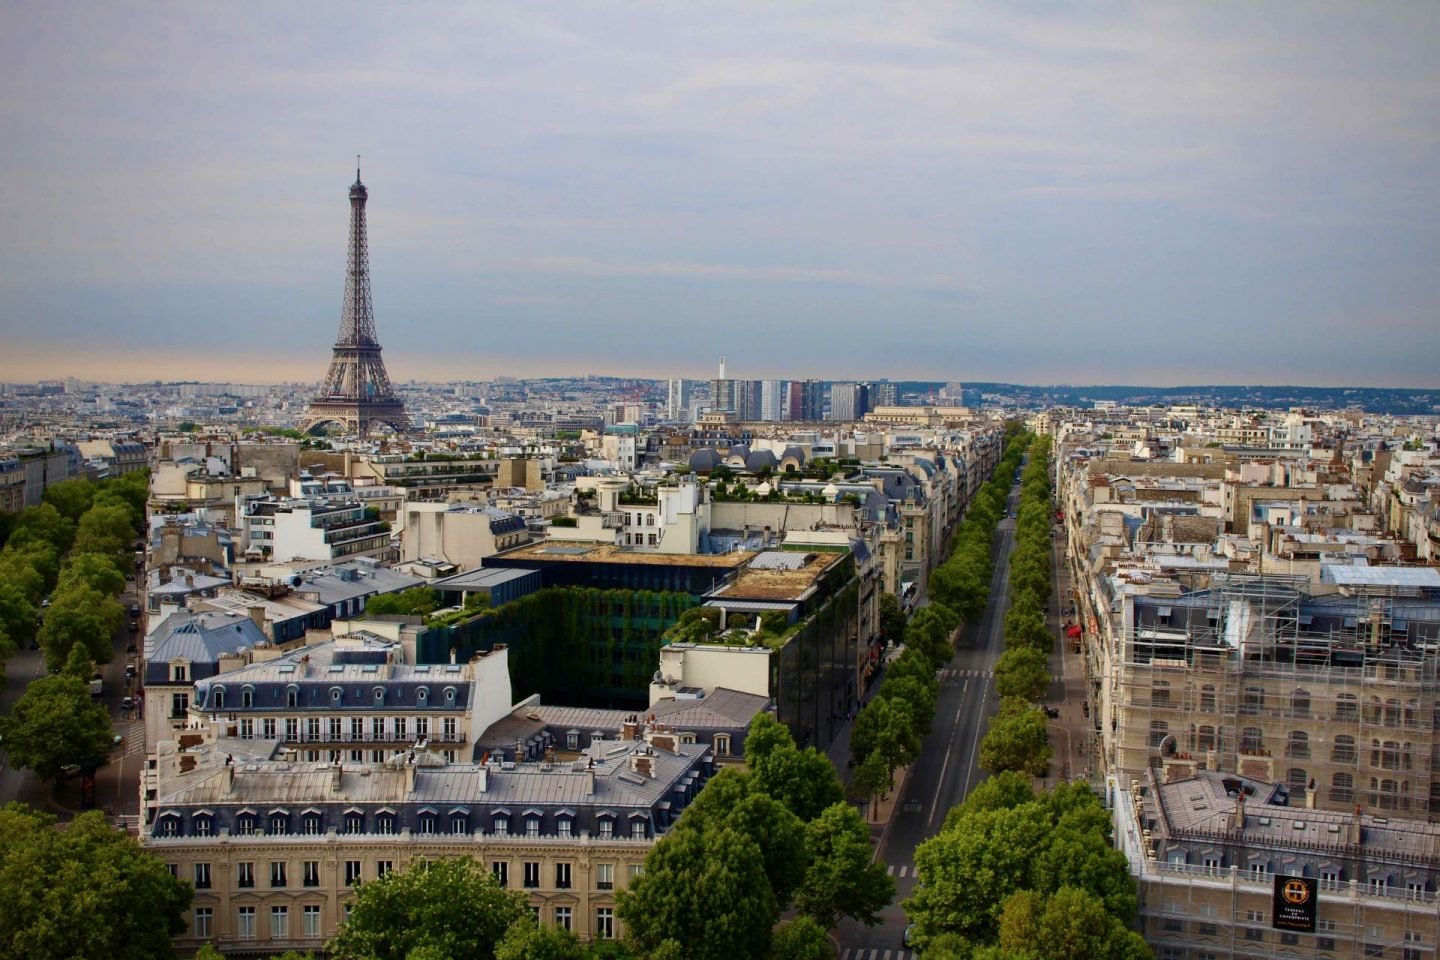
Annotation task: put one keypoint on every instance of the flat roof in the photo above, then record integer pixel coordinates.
(581, 552)
(1347, 574)
(779, 583)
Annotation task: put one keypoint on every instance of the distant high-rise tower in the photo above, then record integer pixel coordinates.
(356, 393)
(724, 393)
(849, 401)
(677, 400)
(772, 399)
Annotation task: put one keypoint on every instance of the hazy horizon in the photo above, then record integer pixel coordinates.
(1147, 195)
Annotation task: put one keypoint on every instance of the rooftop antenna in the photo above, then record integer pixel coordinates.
(357, 168)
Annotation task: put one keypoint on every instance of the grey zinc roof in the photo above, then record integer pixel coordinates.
(260, 781)
(202, 637)
(345, 581)
(722, 708)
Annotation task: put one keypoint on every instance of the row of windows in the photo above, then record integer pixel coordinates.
(203, 921)
(280, 874)
(1391, 712)
(1384, 754)
(169, 824)
(346, 729)
(218, 694)
(1330, 878)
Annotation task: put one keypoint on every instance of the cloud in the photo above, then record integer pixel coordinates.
(1024, 185)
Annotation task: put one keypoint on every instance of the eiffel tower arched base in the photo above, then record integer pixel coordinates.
(357, 419)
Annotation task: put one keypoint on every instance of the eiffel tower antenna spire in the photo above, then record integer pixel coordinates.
(357, 393)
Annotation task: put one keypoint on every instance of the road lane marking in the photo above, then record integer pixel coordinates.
(846, 954)
(949, 749)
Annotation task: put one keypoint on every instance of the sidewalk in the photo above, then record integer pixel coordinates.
(1069, 732)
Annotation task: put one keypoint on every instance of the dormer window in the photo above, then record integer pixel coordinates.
(502, 826)
(217, 699)
(292, 696)
(336, 694)
(247, 697)
(379, 694)
(179, 673)
(449, 694)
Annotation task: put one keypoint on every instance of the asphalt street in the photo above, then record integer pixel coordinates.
(117, 782)
(948, 767)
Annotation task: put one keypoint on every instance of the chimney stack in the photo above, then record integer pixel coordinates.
(336, 775)
(411, 770)
(1237, 816)
(629, 729)
(257, 614)
(1355, 833)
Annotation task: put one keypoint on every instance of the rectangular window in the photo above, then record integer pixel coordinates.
(562, 876)
(605, 923)
(1326, 944)
(279, 923)
(637, 830)
(562, 918)
(312, 873)
(245, 874)
(352, 872)
(202, 876)
(604, 876)
(279, 826)
(400, 725)
(292, 729)
(1290, 939)
(422, 728)
(335, 728)
(179, 705)
(247, 729)
(607, 829)
(277, 874)
(310, 919)
(383, 867)
(377, 728)
(202, 923)
(449, 723)
(1329, 880)
(532, 875)
(532, 826)
(501, 869)
(245, 923)
(633, 872)
(312, 729)
(357, 728)
(267, 728)
(1208, 930)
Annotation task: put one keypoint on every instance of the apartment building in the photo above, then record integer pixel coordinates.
(276, 529)
(275, 846)
(1207, 849)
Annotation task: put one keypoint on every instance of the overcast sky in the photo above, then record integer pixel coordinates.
(1034, 192)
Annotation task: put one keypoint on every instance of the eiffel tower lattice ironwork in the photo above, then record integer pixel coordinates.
(357, 393)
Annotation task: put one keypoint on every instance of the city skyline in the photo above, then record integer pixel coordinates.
(1152, 196)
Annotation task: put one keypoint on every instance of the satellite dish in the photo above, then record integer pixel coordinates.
(295, 581)
(1167, 746)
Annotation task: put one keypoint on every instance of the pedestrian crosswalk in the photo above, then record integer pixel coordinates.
(901, 871)
(955, 673)
(134, 737)
(875, 953)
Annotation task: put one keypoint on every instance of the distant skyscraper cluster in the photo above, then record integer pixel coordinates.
(779, 400)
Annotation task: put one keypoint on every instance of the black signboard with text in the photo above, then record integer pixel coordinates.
(1294, 904)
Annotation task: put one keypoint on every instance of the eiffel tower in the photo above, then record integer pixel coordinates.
(356, 393)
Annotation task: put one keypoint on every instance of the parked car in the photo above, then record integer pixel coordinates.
(116, 740)
(134, 609)
(129, 671)
(134, 626)
(127, 703)
(1053, 713)
(908, 935)
(97, 685)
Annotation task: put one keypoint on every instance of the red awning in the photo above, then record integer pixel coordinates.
(1073, 632)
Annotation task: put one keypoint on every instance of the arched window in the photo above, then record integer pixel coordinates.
(1297, 745)
(1206, 738)
(1254, 701)
(1159, 730)
(247, 696)
(1342, 788)
(1160, 693)
(292, 696)
(1347, 707)
(1296, 778)
(722, 744)
(1300, 703)
(1207, 698)
(1392, 712)
(1252, 740)
(1343, 749)
(217, 698)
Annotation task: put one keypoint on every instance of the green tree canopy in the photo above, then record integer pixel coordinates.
(528, 940)
(71, 497)
(453, 908)
(95, 570)
(43, 524)
(87, 892)
(801, 939)
(1016, 740)
(417, 601)
(55, 723)
(844, 879)
(33, 567)
(1022, 672)
(892, 619)
(804, 781)
(80, 615)
(886, 729)
(705, 889)
(916, 697)
(105, 528)
(17, 616)
(1071, 924)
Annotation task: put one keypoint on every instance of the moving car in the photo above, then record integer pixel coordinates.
(134, 609)
(1052, 712)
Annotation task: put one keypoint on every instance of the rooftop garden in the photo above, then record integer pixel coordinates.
(703, 625)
